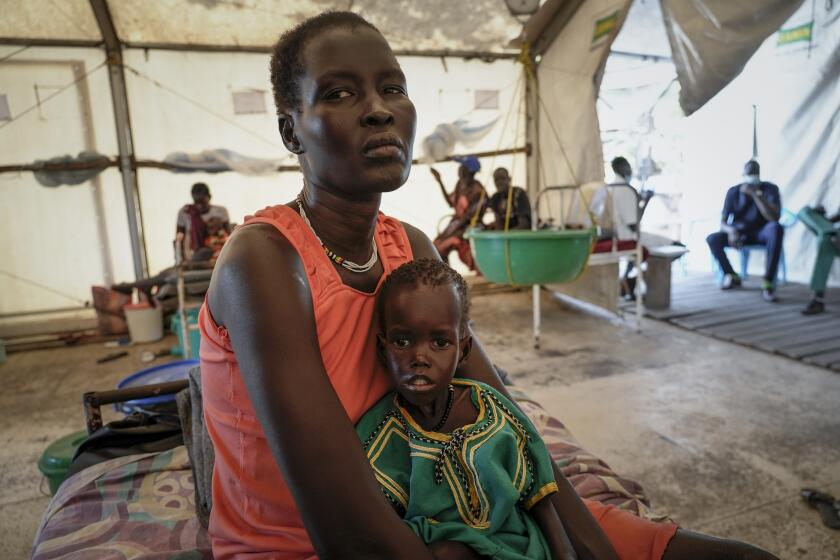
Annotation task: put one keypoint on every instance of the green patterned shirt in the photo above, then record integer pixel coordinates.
(474, 485)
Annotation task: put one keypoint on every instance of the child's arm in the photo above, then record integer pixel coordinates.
(552, 529)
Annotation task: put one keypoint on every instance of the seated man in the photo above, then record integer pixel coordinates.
(751, 213)
(627, 212)
(520, 212)
(828, 247)
(205, 227)
(616, 208)
(192, 220)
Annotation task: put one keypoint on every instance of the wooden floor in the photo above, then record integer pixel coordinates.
(741, 316)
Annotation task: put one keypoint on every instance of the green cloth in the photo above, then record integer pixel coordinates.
(828, 246)
(491, 473)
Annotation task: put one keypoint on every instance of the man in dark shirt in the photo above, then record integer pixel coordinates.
(750, 216)
(520, 212)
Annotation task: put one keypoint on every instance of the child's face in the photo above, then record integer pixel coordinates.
(214, 225)
(423, 341)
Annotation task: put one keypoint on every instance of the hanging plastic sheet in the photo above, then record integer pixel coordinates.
(712, 40)
(71, 176)
(217, 161)
(441, 142)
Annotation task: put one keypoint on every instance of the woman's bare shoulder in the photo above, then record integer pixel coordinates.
(256, 261)
(421, 245)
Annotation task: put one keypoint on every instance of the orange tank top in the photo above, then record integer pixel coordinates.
(254, 515)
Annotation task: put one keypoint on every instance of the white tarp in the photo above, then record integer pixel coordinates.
(568, 87)
(712, 40)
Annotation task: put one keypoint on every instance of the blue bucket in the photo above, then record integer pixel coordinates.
(173, 371)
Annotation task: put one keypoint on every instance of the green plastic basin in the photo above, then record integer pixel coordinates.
(55, 462)
(536, 257)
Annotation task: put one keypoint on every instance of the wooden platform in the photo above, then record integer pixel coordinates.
(741, 316)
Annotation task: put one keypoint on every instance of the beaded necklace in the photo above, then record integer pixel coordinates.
(349, 265)
(449, 398)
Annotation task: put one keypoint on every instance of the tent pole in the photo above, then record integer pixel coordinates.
(532, 167)
(127, 164)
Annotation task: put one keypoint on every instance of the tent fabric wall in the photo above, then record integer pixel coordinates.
(48, 232)
(712, 40)
(568, 87)
(183, 101)
(799, 123)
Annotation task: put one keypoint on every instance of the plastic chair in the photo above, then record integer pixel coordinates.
(786, 220)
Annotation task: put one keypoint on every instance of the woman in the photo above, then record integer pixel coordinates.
(467, 199)
(288, 341)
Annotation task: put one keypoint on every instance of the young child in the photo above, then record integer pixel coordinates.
(216, 238)
(458, 461)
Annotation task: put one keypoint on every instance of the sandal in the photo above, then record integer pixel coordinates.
(828, 507)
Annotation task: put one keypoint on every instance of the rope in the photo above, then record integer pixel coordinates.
(512, 170)
(41, 286)
(51, 96)
(527, 63)
(557, 137)
(477, 214)
(20, 50)
(198, 105)
(529, 75)
(509, 207)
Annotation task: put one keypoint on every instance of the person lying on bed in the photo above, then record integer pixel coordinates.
(288, 338)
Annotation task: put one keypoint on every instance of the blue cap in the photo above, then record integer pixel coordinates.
(470, 162)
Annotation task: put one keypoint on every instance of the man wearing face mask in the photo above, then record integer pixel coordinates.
(750, 216)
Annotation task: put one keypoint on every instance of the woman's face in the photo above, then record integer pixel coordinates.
(356, 123)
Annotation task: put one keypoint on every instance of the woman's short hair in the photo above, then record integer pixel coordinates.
(287, 65)
(425, 272)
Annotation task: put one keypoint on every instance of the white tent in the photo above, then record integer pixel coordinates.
(194, 76)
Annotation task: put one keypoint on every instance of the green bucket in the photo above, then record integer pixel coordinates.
(56, 459)
(544, 256)
(195, 336)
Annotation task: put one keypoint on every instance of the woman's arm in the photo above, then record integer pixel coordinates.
(687, 545)
(449, 198)
(260, 293)
(586, 535)
(552, 529)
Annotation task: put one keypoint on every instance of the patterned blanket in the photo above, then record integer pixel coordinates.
(142, 507)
